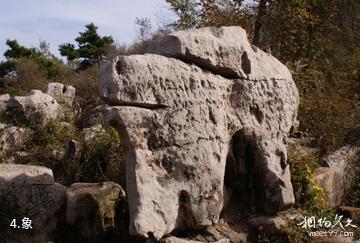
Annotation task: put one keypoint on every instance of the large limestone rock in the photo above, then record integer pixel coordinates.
(91, 207)
(35, 107)
(29, 191)
(193, 134)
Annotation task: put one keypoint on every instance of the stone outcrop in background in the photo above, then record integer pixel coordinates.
(35, 107)
(54, 102)
(206, 114)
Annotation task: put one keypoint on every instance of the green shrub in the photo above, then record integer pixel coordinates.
(330, 101)
(308, 194)
(102, 160)
(53, 134)
(28, 76)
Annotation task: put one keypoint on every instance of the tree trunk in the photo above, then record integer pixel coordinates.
(258, 22)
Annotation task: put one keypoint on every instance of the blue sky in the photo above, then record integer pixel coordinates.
(60, 21)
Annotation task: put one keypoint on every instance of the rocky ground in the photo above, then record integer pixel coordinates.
(195, 142)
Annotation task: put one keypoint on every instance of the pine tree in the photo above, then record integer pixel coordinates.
(91, 47)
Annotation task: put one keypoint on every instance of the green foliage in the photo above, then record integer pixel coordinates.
(101, 158)
(225, 13)
(91, 47)
(28, 68)
(308, 194)
(16, 50)
(297, 28)
(188, 12)
(195, 13)
(52, 135)
(47, 147)
(28, 76)
(330, 100)
(32, 68)
(48, 65)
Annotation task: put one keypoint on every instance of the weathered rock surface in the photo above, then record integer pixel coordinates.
(63, 94)
(225, 51)
(341, 159)
(36, 107)
(29, 191)
(188, 130)
(4, 99)
(91, 207)
(337, 178)
(22, 175)
(331, 181)
(91, 133)
(14, 138)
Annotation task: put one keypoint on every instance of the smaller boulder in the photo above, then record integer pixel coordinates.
(336, 177)
(331, 181)
(36, 107)
(91, 207)
(63, 94)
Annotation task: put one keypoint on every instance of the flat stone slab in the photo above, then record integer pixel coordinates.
(20, 175)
